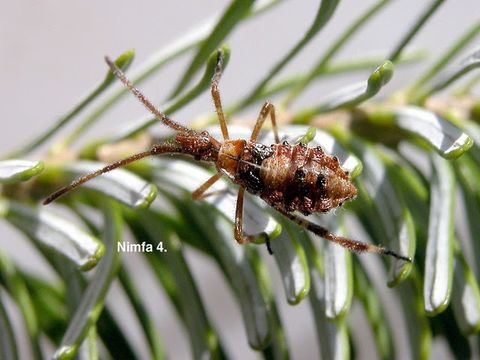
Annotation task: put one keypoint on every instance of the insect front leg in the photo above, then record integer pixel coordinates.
(352, 245)
(267, 108)
(216, 96)
(238, 232)
(200, 193)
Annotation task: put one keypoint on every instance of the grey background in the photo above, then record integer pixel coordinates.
(52, 52)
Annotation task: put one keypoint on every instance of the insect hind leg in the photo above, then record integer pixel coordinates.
(350, 244)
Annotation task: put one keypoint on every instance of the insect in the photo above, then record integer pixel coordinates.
(289, 177)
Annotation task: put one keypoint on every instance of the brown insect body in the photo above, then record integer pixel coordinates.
(289, 177)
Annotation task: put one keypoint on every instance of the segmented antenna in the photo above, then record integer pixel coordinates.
(156, 150)
(162, 117)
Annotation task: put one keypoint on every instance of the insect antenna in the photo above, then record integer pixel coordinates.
(156, 150)
(162, 117)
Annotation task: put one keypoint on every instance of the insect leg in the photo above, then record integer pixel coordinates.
(267, 108)
(238, 232)
(352, 245)
(213, 193)
(216, 96)
(200, 192)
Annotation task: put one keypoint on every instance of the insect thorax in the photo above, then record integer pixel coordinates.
(228, 156)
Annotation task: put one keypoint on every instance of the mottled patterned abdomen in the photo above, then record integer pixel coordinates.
(294, 177)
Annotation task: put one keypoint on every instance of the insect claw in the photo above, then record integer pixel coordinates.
(265, 236)
(269, 245)
(395, 255)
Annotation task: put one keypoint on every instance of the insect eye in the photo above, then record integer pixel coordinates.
(285, 142)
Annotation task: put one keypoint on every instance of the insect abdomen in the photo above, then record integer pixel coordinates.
(294, 177)
(249, 168)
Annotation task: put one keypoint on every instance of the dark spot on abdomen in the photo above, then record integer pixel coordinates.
(321, 182)
(252, 180)
(260, 152)
(250, 165)
(299, 175)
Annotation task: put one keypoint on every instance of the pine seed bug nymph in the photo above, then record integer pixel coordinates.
(289, 177)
